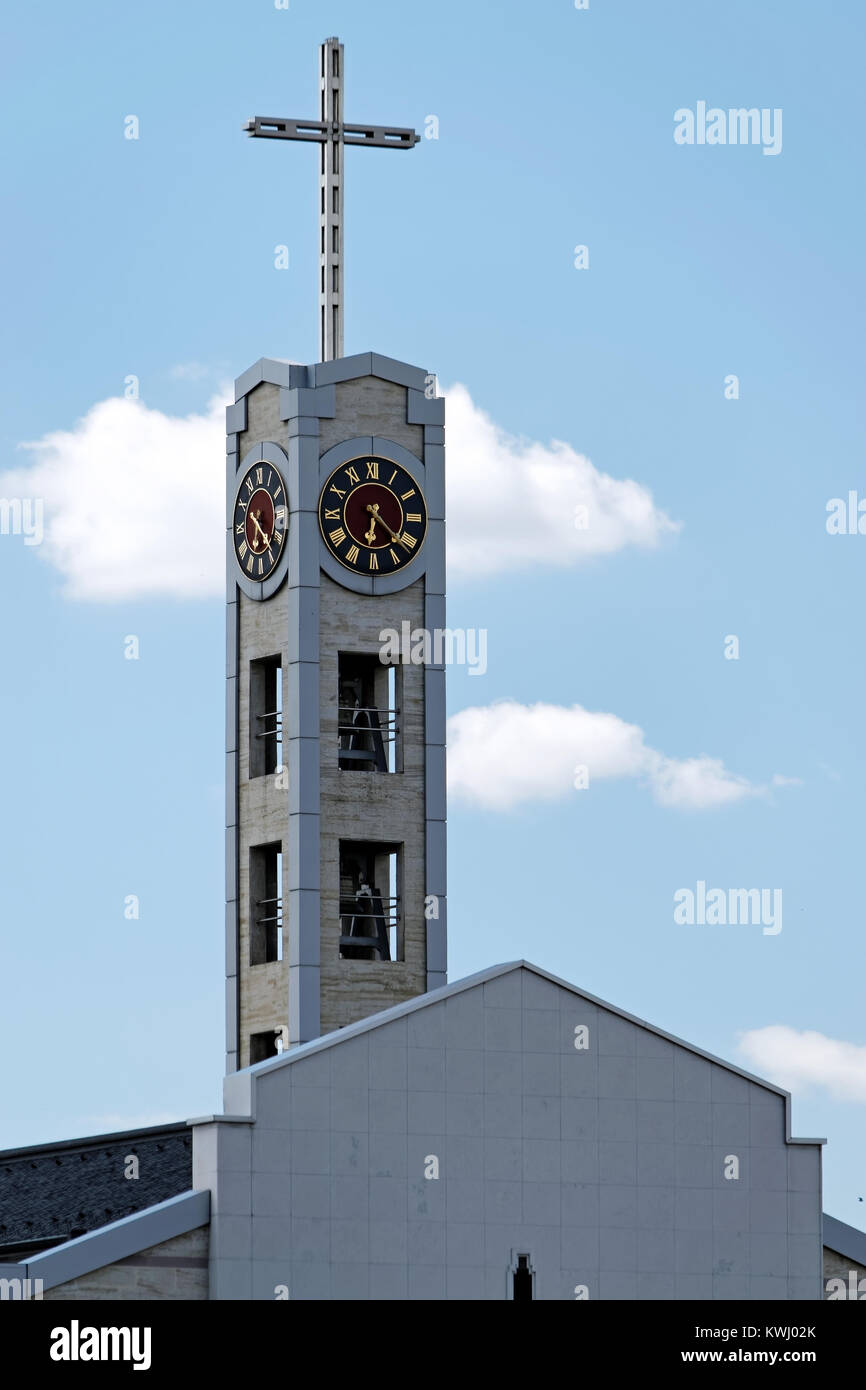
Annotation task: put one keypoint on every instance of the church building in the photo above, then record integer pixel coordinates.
(387, 1134)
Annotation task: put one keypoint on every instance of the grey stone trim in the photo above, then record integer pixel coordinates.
(303, 695)
(434, 617)
(320, 402)
(304, 852)
(434, 468)
(370, 364)
(304, 1008)
(232, 712)
(434, 434)
(231, 789)
(273, 370)
(434, 781)
(437, 858)
(435, 548)
(303, 763)
(231, 1014)
(236, 417)
(231, 640)
(424, 410)
(437, 939)
(389, 369)
(434, 705)
(231, 938)
(343, 369)
(303, 479)
(231, 835)
(305, 946)
(844, 1239)
(303, 557)
(301, 727)
(304, 629)
(302, 424)
(118, 1240)
(231, 863)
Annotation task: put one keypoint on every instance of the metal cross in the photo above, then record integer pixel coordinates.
(331, 133)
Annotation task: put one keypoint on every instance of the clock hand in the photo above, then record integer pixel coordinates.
(255, 519)
(374, 509)
(370, 536)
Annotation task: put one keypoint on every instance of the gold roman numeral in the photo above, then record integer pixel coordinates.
(332, 513)
(352, 554)
(392, 477)
(340, 494)
(242, 550)
(352, 475)
(260, 473)
(240, 528)
(405, 495)
(374, 560)
(249, 484)
(414, 516)
(277, 539)
(394, 556)
(250, 562)
(373, 469)
(407, 540)
(338, 536)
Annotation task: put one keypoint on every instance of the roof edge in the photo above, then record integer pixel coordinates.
(244, 1079)
(844, 1239)
(108, 1244)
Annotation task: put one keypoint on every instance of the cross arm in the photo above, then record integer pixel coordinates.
(283, 128)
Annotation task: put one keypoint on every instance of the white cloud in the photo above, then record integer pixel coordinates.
(505, 754)
(806, 1061)
(512, 501)
(134, 500)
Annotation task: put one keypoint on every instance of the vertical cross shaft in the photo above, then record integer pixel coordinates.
(331, 203)
(332, 133)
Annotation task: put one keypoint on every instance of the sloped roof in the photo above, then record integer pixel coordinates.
(845, 1240)
(49, 1192)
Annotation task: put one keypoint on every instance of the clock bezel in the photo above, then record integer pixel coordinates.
(375, 446)
(261, 589)
(380, 458)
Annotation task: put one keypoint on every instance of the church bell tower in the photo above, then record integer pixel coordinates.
(335, 738)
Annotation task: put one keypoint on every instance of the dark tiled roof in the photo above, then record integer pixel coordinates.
(51, 1192)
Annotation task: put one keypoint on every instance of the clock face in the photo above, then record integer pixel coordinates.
(260, 519)
(372, 515)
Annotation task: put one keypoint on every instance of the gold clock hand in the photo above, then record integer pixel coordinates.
(392, 534)
(255, 517)
(370, 536)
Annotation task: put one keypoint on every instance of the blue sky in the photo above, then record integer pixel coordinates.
(155, 258)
